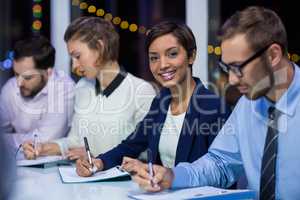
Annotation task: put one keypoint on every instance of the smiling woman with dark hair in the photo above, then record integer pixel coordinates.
(183, 118)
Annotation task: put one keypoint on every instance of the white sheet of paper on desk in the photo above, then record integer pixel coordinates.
(69, 175)
(206, 192)
(39, 161)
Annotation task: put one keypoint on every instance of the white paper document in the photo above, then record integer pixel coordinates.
(39, 161)
(206, 192)
(69, 175)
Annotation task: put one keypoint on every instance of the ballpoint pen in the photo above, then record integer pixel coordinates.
(35, 144)
(87, 149)
(150, 166)
(18, 150)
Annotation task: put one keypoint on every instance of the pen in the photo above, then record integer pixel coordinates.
(150, 166)
(18, 150)
(35, 143)
(87, 149)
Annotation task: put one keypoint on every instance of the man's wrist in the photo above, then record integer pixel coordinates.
(170, 177)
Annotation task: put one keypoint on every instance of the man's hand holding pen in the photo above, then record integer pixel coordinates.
(32, 149)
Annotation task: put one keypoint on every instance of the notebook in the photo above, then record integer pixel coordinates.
(68, 175)
(39, 161)
(205, 193)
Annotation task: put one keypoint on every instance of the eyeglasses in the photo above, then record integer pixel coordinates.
(237, 68)
(29, 76)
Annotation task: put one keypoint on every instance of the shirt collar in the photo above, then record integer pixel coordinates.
(51, 79)
(287, 104)
(113, 85)
(289, 101)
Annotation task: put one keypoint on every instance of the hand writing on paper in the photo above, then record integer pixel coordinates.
(83, 166)
(30, 151)
(132, 166)
(162, 179)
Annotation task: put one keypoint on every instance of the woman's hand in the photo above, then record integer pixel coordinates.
(85, 169)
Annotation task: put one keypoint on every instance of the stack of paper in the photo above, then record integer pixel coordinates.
(207, 193)
(69, 175)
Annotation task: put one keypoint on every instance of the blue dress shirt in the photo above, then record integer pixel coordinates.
(239, 147)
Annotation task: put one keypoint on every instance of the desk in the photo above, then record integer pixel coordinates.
(45, 183)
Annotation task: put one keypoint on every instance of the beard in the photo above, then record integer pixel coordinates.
(30, 93)
(263, 86)
(253, 95)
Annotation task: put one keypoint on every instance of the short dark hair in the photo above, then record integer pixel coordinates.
(92, 29)
(39, 47)
(180, 31)
(261, 27)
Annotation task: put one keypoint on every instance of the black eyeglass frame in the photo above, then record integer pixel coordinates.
(237, 68)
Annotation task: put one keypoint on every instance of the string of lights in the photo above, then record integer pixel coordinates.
(37, 16)
(7, 63)
(217, 51)
(116, 20)
(212, 50)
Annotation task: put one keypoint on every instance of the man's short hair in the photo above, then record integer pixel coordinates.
(261, 27)
(39, 48)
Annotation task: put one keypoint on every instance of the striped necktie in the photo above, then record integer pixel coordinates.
(268, 166)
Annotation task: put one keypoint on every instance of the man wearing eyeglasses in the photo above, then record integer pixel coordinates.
(38, 100)
(261, 137)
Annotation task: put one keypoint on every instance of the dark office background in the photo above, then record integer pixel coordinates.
(16, 22)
